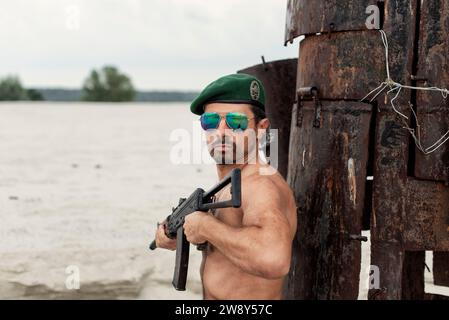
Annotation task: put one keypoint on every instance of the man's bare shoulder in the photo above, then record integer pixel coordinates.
(268, 198)
(271, 187)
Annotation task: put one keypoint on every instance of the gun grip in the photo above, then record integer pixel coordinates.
(182, 260)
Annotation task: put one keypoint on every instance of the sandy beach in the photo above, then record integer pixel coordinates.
(84, 185)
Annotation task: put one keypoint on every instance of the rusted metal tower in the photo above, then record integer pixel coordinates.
(338, 138)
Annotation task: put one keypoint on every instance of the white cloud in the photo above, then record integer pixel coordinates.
(161, 44)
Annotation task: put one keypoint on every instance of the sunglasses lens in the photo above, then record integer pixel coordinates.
(237, 121)
(210, 121)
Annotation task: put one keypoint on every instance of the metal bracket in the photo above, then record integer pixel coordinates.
(264, 64)
(311, 93)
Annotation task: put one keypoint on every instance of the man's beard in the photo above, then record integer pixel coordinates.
(230, 154)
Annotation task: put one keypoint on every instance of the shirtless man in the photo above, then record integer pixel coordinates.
(249, 248)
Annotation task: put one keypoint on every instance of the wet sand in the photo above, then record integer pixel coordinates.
(84, 185)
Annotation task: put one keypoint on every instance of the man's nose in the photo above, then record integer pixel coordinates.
(222, 126)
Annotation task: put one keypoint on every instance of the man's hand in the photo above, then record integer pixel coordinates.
(192, 226)
(162, 241)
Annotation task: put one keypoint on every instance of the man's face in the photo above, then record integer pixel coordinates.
(227, 146)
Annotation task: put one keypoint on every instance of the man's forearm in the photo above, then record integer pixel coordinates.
(244, 247)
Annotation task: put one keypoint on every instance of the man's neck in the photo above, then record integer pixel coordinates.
(224, 169)
(250, 163)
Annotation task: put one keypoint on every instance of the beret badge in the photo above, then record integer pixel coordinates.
(254, 90)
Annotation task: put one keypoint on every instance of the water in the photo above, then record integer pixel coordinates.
(84, 184)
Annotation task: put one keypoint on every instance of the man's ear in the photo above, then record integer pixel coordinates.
(262, 127)
(263, 124)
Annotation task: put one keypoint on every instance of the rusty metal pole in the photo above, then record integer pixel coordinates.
(433, 69)
(344, 61)
(409, 213)
(329, 145)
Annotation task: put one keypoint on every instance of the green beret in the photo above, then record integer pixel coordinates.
(233, 88)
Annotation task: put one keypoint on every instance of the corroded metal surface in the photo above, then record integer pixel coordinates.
(426, 218)
(413, 275)
(279, 80)
(309, 17)
(433, 70)
(390, 179)
(342, 65)
(441, 268)
(348, 65)
(409, 214)
(327, 169)
(434, 124)
(433, 56)
(399, 25)
(389, 258)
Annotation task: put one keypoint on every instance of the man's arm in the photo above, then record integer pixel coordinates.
(262, 246)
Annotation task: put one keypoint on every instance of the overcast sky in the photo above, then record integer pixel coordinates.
(160, 44)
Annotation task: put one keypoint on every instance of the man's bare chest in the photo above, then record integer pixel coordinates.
(230, 216)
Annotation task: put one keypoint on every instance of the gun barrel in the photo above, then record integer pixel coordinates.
(153, 245)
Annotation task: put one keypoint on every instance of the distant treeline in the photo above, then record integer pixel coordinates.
(105, 85)
(140, 96)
